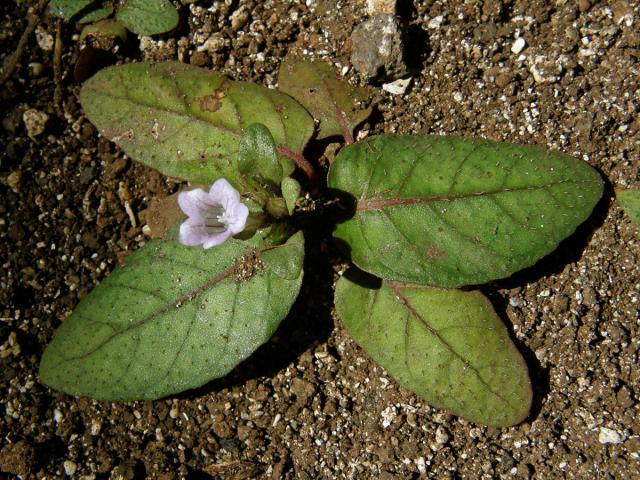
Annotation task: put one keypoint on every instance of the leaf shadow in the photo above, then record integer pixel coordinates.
(415, 37)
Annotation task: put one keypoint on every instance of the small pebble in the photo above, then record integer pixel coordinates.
(44, 39)
(34, 121)
(13, 180)
(608, 435)
(518, 45)
(376, 7)
(378, 48)
(70, 468)
(397, 87)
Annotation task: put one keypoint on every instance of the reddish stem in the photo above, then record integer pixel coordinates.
(346, 132)
(301, 162)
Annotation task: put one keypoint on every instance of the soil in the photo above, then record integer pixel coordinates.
(311, 404)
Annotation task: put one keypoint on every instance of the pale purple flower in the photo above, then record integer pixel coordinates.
(214, 216)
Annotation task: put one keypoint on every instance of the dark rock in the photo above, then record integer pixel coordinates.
(378, 48)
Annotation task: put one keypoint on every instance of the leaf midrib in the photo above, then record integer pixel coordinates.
(395, 288)
(380, 203)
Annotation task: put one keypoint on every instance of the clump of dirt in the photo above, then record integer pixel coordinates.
(310, 403)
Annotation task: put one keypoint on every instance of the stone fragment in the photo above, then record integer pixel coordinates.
(34, 121)
(377, 7)
(45, 39)
(397, 87)
(378, 48)
(518, 45)
(13, 180)
(608, 435)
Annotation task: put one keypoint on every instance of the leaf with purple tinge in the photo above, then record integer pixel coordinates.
(174, 318)
(187, 122)
(447, 346)
(449, 211)
(328, 97)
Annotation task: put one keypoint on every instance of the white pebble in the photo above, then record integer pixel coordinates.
(518, 45)
(608, 435)
(70, 468)
(435, 22)
(57, 416)
(397, 87)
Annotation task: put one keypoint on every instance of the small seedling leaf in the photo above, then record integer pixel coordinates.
(148, 17)
(630, 201)
(67, 9)
(328, 97)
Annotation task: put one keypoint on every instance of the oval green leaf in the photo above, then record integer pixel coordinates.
(173, 318)
(148, 17)
(98, 15)
(67, 9)
(257, 156)
(291, 192)
(450, 211)
(447, 346)
(630, 201)
(187, 122)
(330, 99)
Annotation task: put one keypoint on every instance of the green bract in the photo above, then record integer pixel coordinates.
(451, 211)
(173, 318)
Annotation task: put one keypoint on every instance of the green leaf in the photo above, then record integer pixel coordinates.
(257, 156)
(67, 9)
(185, 121)
(291, 192)
(630, 201)
(329, 98)
(148, 17)
(173, 318)
(105, 28)
(97, 15)
(454, 211)
(447, 346)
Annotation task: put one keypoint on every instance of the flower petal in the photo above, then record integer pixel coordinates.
(194, 202)
(223, 193)
(212, 241)
(237, 216)
(192, 233)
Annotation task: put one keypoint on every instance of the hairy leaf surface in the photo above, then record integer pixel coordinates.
(447, 346)
(148, 17)
(329, 98)
(185, 121)
(630, 201)
(173, 318)
(451, 211)
(68, 8)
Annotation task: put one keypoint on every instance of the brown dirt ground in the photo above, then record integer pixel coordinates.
(310, 404)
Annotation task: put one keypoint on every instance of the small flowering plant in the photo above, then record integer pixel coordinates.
(422, 220)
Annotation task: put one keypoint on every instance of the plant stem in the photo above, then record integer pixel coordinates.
(301, 162)
(346, 132)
